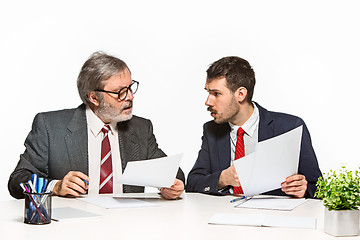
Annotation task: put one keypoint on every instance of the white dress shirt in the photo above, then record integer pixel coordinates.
(95, 136)
(251, 128)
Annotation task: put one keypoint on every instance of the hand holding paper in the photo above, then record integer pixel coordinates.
(160, 172)
(175, 191)
(272, 162)
(229, 177)
(295, 185)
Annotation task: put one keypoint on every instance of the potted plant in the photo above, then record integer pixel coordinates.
(340, 193)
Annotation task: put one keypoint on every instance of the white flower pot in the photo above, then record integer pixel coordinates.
(341, 222)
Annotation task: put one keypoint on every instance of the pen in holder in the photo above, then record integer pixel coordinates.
(37, 208)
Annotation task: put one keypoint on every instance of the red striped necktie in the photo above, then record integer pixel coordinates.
(106, 173)
(239, 153)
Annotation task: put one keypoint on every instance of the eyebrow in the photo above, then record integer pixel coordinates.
(212, 90)
(121, 87)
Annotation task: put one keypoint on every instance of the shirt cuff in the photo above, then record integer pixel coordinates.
(51, 185)
(225, 189)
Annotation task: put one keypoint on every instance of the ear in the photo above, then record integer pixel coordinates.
(240, 94)
(93, 98)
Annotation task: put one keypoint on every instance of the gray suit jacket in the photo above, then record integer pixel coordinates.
(58, 144)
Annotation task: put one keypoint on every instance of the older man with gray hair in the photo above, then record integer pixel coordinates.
(92, 143)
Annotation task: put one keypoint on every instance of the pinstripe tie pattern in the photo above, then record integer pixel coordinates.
(106, 174)
(239, 153)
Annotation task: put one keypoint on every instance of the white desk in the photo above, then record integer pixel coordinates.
(181, 219)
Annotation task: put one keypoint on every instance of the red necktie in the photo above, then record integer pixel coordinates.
(239, 153)
(106, 174)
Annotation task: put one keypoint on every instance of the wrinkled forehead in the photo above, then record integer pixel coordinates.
(119, 80)
(218, 83)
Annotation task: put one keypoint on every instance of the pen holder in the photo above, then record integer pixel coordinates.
(37, 208)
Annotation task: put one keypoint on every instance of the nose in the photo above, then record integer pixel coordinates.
(209, 101)
(129, 96)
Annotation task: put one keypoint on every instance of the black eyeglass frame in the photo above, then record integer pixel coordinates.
(127, 90)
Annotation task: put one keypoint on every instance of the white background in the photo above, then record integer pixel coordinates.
(305, 55)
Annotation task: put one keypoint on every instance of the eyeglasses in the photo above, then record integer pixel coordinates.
(133, 87)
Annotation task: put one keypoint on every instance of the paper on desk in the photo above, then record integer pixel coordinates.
(160, 172)
(272, 162)
(262, 220)
(111, 202)
(272, 202)
(138, 195)
(69, 213)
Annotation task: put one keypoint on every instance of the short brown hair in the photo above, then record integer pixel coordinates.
(237, 72)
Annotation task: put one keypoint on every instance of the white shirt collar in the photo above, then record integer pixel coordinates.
(95, 124)
(250, 125)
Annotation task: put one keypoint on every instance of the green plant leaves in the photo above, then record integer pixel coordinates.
(339, 191)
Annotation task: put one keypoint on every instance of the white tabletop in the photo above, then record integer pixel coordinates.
(186, 218)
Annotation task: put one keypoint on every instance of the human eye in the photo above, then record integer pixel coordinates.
(123, 92)
(215, 94)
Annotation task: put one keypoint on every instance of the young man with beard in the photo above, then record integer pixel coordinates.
(240, 121)
(93, 142)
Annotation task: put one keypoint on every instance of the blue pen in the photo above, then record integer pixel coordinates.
(238, 199)
(44, 185)
(40, 185)
(86, 182)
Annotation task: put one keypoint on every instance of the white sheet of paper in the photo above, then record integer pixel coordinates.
(160, 172)
(272, 203)
(111, 202)
(138, 195)
(262, 220)
(69, 213)
(272, 162)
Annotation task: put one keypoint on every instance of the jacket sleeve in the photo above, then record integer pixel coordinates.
(308, 164)
(202, 178)
(33, 160)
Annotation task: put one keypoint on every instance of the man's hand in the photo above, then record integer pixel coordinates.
(295, 185)
(72, 184)
(228, 177)
(174, 191)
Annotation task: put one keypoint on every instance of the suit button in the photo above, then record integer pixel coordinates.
(207, 189)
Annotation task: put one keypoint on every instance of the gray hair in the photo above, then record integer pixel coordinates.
(98, 68)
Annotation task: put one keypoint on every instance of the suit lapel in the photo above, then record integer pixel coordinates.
(129, 151)
(266, 129)
(223, 146)
(128, 143)
(77, 141)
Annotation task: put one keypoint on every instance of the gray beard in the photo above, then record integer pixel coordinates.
(108, 113)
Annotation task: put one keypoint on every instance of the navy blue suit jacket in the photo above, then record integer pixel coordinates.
(215, 155)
